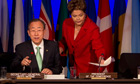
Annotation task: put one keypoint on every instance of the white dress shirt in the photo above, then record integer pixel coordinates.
(41, 48)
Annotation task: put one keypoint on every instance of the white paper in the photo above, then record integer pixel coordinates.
(106, 62)
(138, 76)
(54, 76)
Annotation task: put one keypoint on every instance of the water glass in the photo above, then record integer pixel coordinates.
(3, 72)
(73, 73)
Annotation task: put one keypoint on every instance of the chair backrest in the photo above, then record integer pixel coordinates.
(128, 65)
(6, 60)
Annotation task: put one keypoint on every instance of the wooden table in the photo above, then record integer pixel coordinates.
(78, 81)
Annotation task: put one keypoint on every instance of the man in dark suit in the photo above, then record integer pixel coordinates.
(37, 55)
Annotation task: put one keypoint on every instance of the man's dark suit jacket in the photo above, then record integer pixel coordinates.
(51, 59)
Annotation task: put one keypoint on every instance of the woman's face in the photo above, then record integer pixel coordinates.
(78, 17)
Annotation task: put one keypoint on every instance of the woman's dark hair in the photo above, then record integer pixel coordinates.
(77, 5)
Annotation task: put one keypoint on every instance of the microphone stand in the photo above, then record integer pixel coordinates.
(100, 63)
(31, 65)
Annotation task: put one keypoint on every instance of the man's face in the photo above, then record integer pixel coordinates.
(36, 32)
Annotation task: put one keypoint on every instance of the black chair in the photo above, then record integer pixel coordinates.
(6, 60)
(128, 65)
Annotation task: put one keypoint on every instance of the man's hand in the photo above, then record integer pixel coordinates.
(26, 61)
(47, 71)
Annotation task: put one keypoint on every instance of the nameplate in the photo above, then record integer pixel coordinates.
(25, 75)
(54, 76)
(98, 75)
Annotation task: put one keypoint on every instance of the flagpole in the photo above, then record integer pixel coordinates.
(32, 8)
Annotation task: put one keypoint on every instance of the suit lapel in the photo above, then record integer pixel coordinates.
(71, 35)
(69, 29)
(81, 34)
(83, 30)
(31, 50)
(32, 56)
(45, 57)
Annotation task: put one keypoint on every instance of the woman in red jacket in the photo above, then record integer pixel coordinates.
(82, 38)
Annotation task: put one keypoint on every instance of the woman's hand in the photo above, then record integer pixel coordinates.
(60, 50)
(101, 60)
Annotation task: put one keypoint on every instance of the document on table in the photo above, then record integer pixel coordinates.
(54, 76)
(106, 62)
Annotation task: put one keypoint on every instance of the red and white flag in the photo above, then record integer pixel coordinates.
(104, 23)
(46, 16)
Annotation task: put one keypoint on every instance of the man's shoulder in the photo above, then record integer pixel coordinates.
(50, 42)
(23, 44)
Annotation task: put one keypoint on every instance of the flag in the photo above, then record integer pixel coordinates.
(63, 14)
(19, 35)
(1, 50)
(91, 10)
(0, 16)
(131, 30)
(46, 16)
(11, 33)
(104, 23)
(4, 21)
(117, 25)
(28, 16)
(18, 24)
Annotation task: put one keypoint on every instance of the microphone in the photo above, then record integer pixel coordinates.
(31, 62)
